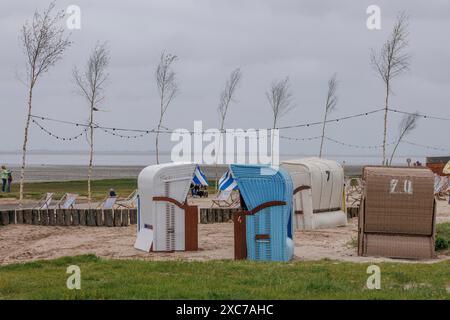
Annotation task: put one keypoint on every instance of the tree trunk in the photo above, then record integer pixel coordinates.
(272, 139)
(385, 123)
(157, 144)
(158, 128)
(216, 187)
(393, 152)
(323, 134)
(91, 155)
(396, 146)
(24, 148)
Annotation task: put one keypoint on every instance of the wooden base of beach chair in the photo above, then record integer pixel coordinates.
(240, 236)
(190, 223)
(240, 228)
(191, 228)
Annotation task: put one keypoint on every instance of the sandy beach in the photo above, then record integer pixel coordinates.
(23, 243)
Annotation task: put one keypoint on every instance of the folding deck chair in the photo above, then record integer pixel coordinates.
(225, 200)
(130, 201)
(44, 202)
(353, 191)
(107, 203)
(441, 185)
(67, 201)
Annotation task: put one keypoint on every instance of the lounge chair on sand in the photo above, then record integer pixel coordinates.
(130, 201)
(225, 200)
(441, 185)
(107, 203)
(67, 201)
(44, 202)
(353, 191)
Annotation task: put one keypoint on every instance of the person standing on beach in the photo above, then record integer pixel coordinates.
(6, 179)
(8, 187)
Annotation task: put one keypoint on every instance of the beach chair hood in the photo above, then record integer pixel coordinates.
(318, 192)
(259, 185)
(398, 213)
(166, 219)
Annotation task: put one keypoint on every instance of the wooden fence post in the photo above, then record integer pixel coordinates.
(210, 216)
(51, 217)
(117, 217)
(125, 217)
(12, 216)
(83, 216)
(35, 216)
(59, 217)
(108, 214)
(203, 215)
(99, 217)
(19, 216)
(68, 217)
(43, 216)
(75, 217)
(27, 216)
(4, 218)
(133, 215)
(90, 219)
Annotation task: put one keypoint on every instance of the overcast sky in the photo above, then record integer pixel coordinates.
(305, 40)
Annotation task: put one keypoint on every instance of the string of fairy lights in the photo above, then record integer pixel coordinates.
(57, 136)
(140, 133)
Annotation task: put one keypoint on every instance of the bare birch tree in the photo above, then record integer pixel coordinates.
(280, 100)
(407, 125)
(44, 42)
(167, 89)
(330, 105)
(390, 62)
(226, 97)
(91, 85)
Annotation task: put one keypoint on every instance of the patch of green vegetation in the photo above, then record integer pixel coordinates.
(100, 188)
(353, 242)
(137, 279)
(442, 236)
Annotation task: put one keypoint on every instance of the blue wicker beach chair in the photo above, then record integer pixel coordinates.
(267, 193)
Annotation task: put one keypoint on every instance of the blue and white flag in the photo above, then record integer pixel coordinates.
(227, 182)
(199, 177)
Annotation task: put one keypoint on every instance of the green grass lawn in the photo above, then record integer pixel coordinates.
(134, 279)
(100, 188)
(442, 236)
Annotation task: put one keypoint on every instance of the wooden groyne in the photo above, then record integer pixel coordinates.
(70, 217)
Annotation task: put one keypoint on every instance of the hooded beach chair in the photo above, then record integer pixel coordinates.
(67, 201)
(318, 193)
(45, 201)
(398, 213)
(165, 221)
(263, 230)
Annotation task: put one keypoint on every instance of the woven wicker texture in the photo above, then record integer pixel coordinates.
(406, 247)
(398, 200)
